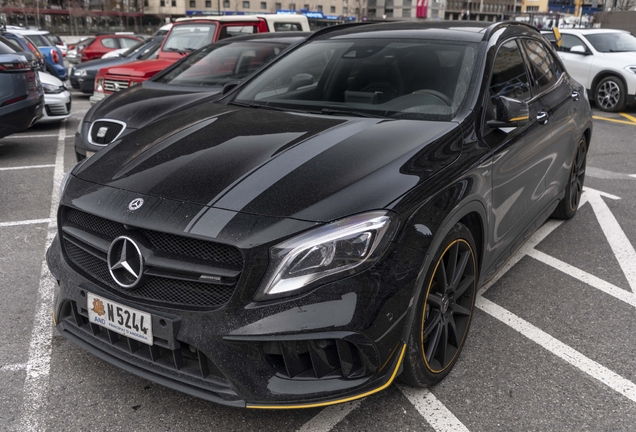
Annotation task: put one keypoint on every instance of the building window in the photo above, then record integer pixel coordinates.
(263, 5)
(532, 9)
(208, 3)
(162, 3)
(279, 6)
(246, 5)
(371, 13)
(319, 8)
(193, 3)
(345, 10)
(388, 13)
(174, 3)
(292, 6)
(226, 3)
(332, 9)
(145, 3)
(406, 13)
(407, 3)
(306, 6)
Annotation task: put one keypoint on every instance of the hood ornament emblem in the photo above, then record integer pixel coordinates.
(135, 204)
(101, 133)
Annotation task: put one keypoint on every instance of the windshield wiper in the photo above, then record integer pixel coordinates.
(264, 106)
(330, 111)
(180, 51)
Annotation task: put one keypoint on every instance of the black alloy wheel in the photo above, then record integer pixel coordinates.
(567, 207)
(439, 331)
(610, 94)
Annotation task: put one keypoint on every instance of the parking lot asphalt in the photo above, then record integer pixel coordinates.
(552, 344)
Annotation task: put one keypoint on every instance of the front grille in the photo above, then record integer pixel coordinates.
(185, 363)
(104, 132)
(173, 290)
(115, 85)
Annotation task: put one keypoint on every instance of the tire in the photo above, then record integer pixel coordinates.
(610, 94)
(566, 209)
(439, 329)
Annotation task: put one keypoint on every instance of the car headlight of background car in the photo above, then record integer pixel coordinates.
(80, 72)
(53, 89)
(99, 85)
(631, 69)
(340, 248)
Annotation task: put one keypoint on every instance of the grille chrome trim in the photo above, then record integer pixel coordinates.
(90, 131)
(115, 85)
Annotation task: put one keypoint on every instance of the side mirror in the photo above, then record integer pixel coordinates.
(301, 80)
(579, 49)
(509, 113)
(228, 87)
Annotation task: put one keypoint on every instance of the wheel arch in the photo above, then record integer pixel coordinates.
(602, 75)
(472, 213)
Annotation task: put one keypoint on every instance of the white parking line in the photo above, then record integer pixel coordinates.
(326, 419)
(618, 241)
(26, 167)
(433, 411)
(13, 367)
(31, 136)
(24, 222)
(585, 277)
(558, 348)
(36, 384)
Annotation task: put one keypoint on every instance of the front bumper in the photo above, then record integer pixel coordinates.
(84, 83)
(57, 107)
(244, 354)
(97, 96)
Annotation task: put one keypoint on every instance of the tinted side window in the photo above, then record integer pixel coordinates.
(509, 77)
(234, 30)
(110, 43)
(569, 41)
(128, 43)
(543, 67)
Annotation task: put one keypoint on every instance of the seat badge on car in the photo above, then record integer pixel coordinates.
(135, 204)
(125, 262)
(101, 133)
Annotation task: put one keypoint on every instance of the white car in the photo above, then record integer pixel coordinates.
(115, 53)
(57, 99)
(604, 61)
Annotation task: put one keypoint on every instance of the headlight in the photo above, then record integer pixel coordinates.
(52, 89)
(631, 69)
(99, 85)
(341, 247)
(80, 72)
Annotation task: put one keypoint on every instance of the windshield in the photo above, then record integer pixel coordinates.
(151, 52)
(423, 80)
(134, 49)
(612, 42)
(216, 65)
(39, 40)
(190, 37)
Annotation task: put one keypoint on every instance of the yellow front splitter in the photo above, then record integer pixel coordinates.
(339, 401)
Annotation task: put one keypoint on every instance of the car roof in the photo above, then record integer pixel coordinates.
(592, 31)
(221, 18)
(285, 37)
(466, 31)
(27, 32)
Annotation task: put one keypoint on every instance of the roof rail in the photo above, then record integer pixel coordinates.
(496, 26)
(339, 27)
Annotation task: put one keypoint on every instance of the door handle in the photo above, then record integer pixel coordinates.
(575, 95)
(542, 117)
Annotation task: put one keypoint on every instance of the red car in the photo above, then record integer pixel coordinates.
(103, 43)
(187, 35)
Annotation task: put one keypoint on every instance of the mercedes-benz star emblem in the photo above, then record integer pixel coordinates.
(135, 204)
(125, 262)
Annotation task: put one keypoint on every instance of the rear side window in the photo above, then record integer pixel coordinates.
(544, 68)
(509, 77)
(282, 26)
(110, 43)
(128, 43)
(39, 40)
(230, 31)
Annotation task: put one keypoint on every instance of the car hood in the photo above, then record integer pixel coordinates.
(144, 103)
(271, 163)
(96, 65)
(138, 69)
(47, 78)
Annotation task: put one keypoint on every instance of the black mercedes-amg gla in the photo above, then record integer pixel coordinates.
(324, 228)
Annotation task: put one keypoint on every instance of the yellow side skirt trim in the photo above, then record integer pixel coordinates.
(519, 118)
(338, 401)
